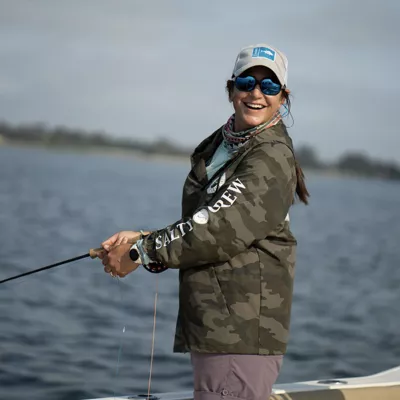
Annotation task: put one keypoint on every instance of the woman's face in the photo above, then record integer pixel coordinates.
(247, 117)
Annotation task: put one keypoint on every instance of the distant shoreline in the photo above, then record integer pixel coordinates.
(136, 154)
(108, 151)
(60, 138)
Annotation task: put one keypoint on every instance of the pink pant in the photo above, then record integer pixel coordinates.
(234, 376)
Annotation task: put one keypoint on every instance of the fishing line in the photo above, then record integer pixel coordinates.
(93, 254)
(121, 337)
(153, 339)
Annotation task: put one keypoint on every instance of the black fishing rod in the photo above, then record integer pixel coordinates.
(92, 254)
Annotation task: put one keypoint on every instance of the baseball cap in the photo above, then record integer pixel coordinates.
(264, 55)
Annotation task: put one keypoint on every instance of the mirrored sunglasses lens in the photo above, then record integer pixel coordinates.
(270, 88)
(245, 84)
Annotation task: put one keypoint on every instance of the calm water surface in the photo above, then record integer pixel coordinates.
(61, 330)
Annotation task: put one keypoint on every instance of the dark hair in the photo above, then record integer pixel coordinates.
(301, 188)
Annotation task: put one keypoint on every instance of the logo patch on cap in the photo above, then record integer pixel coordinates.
(264, 52)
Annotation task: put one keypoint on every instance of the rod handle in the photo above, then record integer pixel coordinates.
(93, 252)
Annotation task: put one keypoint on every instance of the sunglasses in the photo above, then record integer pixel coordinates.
(248, 83)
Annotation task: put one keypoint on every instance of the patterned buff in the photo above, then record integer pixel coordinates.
(234, 140)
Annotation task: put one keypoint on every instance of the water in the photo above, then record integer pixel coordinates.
(61, 330)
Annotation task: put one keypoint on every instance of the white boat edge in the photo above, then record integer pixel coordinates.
(384, 385)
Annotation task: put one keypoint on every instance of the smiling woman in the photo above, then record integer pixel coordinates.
(257, 98)
(233, 245)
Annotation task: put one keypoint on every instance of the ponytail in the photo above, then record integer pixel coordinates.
(301, 189)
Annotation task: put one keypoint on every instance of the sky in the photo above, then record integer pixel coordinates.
(146, 69)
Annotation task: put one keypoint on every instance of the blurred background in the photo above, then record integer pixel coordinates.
(98, 97)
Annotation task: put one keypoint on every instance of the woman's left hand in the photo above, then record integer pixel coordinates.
(117, 261)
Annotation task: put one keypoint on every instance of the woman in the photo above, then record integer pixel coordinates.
(233, 245)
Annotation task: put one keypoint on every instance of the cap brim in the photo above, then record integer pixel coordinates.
(262, 63)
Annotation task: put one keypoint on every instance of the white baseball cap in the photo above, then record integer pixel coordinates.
(264, 55)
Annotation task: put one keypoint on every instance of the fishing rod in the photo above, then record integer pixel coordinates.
(92, 254)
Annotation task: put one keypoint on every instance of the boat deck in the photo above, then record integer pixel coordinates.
(382, 386)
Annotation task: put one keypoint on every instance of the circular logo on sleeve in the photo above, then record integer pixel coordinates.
(201, 217)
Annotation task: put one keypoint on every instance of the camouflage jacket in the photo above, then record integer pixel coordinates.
(234, 249)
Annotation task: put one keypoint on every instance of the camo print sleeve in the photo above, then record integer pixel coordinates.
(249, 205)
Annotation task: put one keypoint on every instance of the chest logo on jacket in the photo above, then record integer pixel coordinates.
(216, 184)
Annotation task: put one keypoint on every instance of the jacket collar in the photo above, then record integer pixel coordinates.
(276, 133)
(202, 153)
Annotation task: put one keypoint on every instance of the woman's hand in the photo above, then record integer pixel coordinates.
(122, 237)
(117, 261)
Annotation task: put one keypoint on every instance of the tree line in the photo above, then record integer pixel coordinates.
(350, 163)
(66, 137)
